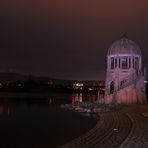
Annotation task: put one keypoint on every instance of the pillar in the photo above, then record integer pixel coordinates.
(118, 62)
(114, 62)
(131, 62)
(121, 62)
(140, 63)
(128, 62)
(108, 63)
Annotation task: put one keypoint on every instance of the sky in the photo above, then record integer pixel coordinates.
(68, 39)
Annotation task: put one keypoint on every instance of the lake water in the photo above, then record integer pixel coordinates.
(40, 122)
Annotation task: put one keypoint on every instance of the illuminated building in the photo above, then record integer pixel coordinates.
(124, 80)
(78, 85)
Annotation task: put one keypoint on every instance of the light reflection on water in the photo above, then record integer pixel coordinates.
(8, 104)
(33, 122)
(83, 98)
(5, 109)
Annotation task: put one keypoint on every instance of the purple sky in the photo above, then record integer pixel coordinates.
(68, 39)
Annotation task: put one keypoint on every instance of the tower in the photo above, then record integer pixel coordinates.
(124, 79)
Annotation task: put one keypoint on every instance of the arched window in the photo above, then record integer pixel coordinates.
(112, 87)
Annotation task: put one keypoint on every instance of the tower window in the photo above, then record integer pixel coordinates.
(124, 62)
(129, 62)
(119, 62)
(116, 62)
(112, 63)
(137, 63)
(133, 62)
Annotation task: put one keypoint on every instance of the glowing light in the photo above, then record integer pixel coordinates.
(50, 83)
(19, 84)
(90, 89)
(77, 85)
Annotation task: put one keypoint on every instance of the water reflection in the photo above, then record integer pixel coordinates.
(92, 98)
(49, 100)
(9, 111)
(1, 109)
(8, 106)
(34, 122)
(5, 109)
(79, 97)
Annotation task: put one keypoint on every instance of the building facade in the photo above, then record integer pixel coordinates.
(125, 82)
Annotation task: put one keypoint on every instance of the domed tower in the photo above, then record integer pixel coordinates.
(124, 80)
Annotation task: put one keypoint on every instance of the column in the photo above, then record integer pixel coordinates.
(121, 62)
(131, 61)
(134, 62)
(118, 62)
(114, 62)
(107, 63)
(127, 62)
(140, 63)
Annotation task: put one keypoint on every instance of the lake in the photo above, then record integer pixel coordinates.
(39, 121)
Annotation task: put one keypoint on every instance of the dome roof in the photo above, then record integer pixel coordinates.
(124, 46)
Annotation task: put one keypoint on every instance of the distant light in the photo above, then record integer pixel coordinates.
(50, 83)
(78, 85)
(90, 89)
(115, 129)
(145, 82)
